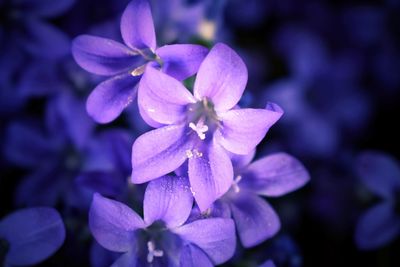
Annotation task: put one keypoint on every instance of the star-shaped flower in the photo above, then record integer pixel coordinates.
(126, 63)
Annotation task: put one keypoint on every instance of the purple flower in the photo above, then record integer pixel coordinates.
(23, 25)
(127, 62)
(272, 176)
(381, 223)
(32, 235)
(53, 155)
(162, 238)
(200, 128)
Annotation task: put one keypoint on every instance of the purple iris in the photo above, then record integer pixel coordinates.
(31, 235)
(380, 224)
(127, 62)
(200, 127)
(272, 176)
(162, 238)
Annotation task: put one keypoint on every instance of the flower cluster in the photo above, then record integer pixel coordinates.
(133, 132)
(201, 149)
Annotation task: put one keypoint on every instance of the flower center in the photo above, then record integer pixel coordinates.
(202, 118)
(147, 56)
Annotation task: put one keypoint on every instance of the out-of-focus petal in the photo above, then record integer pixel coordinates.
(44, 40)
(222, 78)
(192, 256)
(111, 97)
(34, 234)
(137, 26)
(274, 175)
(181, 60)
(113, 224)
(103, 56)
(216, 237)
(210, 174)
(168, 199)
(128, 259)
(378, 226)
(379, 172)
(159, 152)
(255, 219)
(43, 8)
(243, 129)
(26, 145)
(268, 263)
(163, 98)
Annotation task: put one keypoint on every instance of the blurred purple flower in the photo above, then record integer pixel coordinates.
(32, 235)
(127, 62)
(200, 128)
(23, 24)
(162, 238)
(268, 263)
(53, 155)
(379, 225)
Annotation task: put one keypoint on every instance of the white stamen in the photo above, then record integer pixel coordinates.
(235, 184)
(197, 153)
(200, 129)
(206, 213)
(153, 252)
(191, 190)
(189, 154)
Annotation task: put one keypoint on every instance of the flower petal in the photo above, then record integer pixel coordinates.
(243, 129)
(111, 97)
(181, 60)
(137, 26)
(210, 174)
(43, 40)
(379, 172)
(113, 223)
(163, 98)
(43, 8)
(222, 78)
(104, 56)
(34, 234)
(168, 199)
(192, 256)
(275, 175)
(128, 259)
(216, 237)
(378, 226)
(268, 263)
(27, 146)
(255, 219)
(159, 152)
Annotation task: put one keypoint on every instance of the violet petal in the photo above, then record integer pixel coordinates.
(255, 219)
(168, 199)
(216, 237)
(113, 223)
(222, 78)
(158, 152)
(181, 60)
(137, 26)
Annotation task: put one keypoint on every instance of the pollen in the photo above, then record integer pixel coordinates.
(138, 71)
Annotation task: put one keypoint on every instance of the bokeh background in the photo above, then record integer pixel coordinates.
(333, 66)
